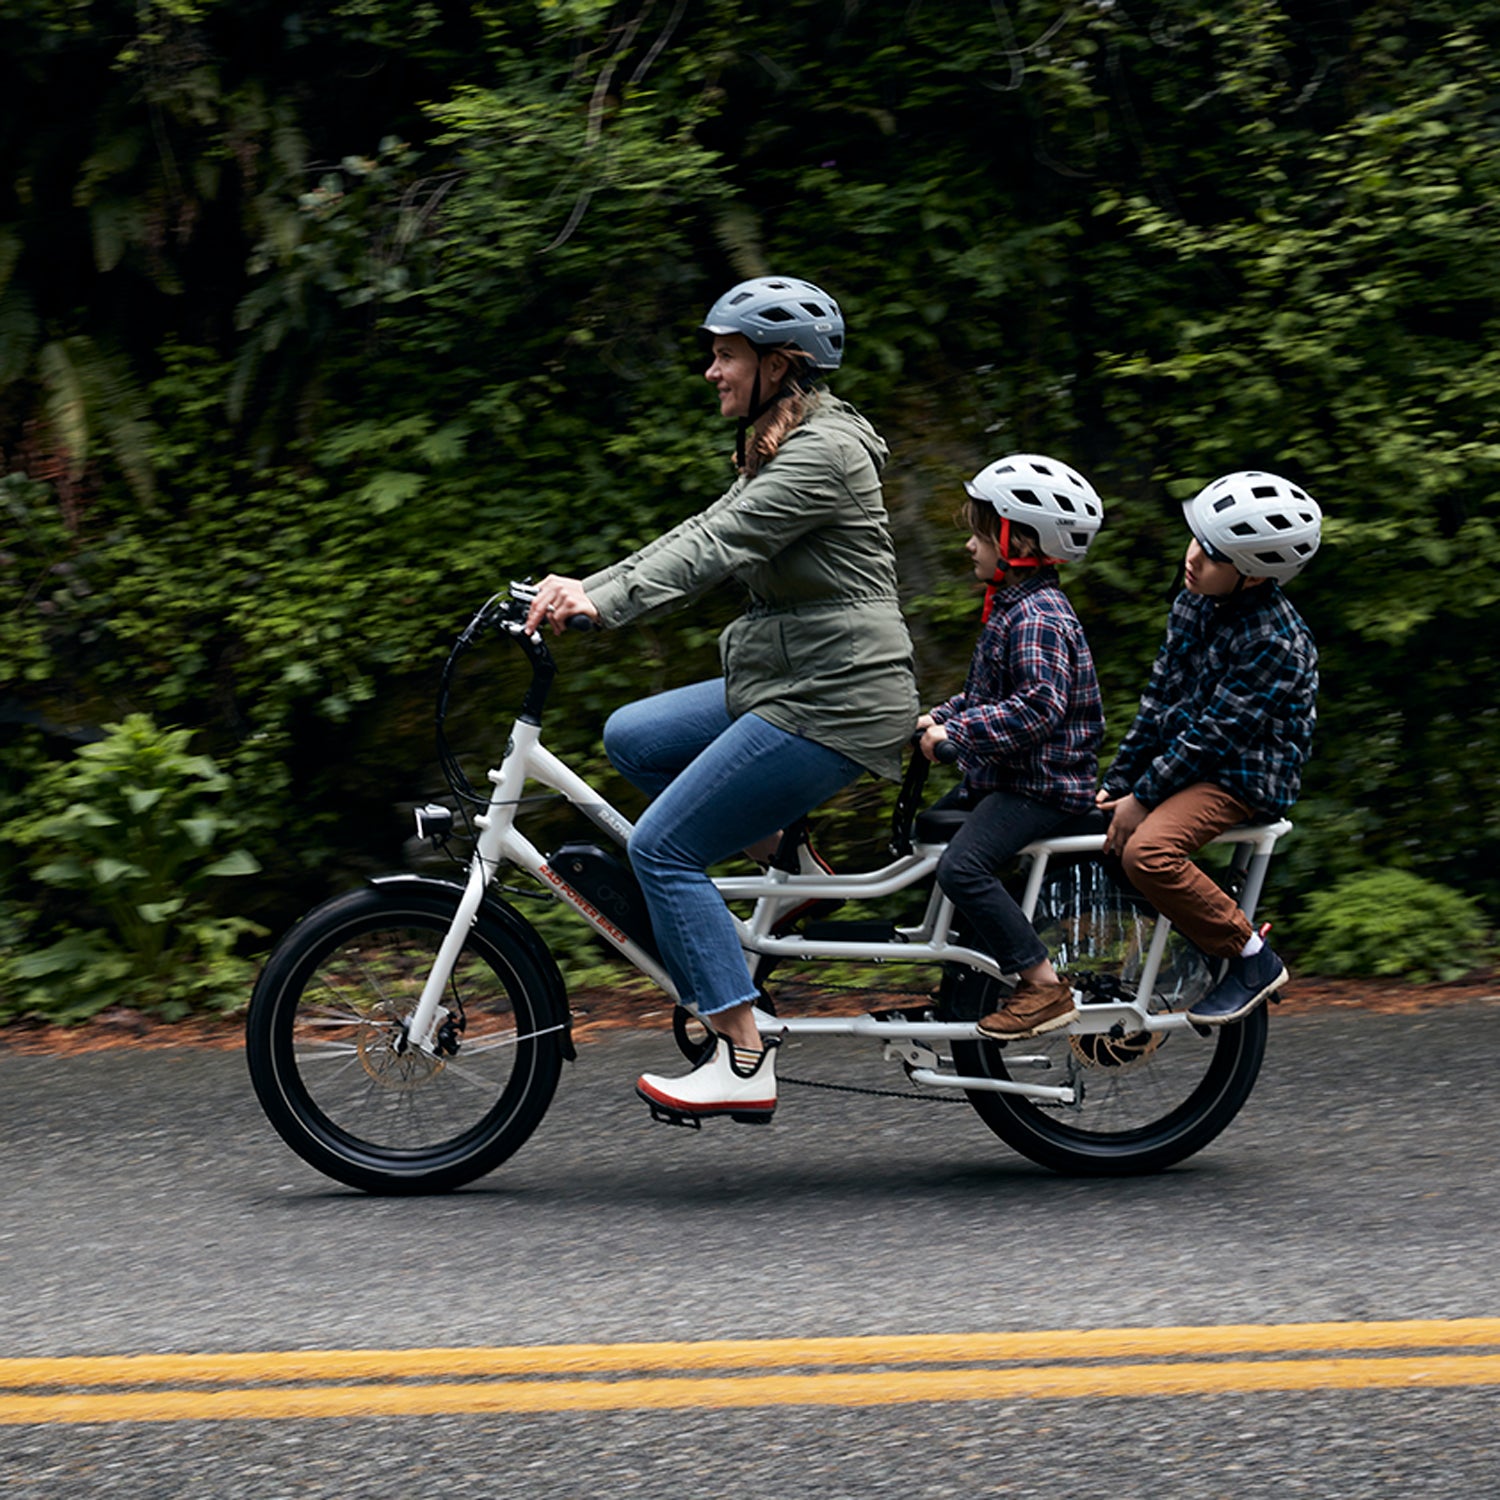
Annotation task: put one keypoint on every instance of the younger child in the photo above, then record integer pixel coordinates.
(1028, 723)
(1225, 724)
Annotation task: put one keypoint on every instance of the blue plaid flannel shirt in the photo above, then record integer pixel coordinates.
(1232, 701)
(1029, 719)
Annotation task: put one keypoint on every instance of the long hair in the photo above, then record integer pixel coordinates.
(799, 394)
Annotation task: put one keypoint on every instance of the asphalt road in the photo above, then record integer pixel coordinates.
(150, 1210)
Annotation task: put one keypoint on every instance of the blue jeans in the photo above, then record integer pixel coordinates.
(718, 784)
(1000, 824)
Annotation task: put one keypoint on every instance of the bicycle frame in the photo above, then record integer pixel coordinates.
(500, 841)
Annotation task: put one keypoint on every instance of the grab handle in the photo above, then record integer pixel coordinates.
(909, 797)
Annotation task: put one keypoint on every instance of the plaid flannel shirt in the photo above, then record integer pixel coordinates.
(1232, 701)
(1029, 719)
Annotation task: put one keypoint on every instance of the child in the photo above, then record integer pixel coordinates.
(1028, 723)
(1225, 724)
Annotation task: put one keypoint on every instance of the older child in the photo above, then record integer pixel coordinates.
(1028, 723)
(1225, 724)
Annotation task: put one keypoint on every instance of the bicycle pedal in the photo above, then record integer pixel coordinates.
(664, 1116)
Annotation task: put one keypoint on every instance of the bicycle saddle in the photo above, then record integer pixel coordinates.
(939, 823)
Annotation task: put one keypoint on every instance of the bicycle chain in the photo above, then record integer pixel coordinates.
(849, 1088)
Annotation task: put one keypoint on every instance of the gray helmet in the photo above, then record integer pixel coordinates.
(777, 310)
(1265, 526)
(1057, 502)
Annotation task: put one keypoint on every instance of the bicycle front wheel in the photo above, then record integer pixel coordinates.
(327, 1048)
(1142, 1101)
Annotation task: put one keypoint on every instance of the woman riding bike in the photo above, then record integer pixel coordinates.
(817, 682)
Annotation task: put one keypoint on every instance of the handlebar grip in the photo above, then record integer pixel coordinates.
(946, 752)
(581, 622)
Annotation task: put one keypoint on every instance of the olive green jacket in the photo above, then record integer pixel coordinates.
(822, 650)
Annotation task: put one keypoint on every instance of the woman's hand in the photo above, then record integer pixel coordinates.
(557, 600)
(1128, 815)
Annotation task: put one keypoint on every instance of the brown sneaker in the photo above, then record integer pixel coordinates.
(1031, 1010)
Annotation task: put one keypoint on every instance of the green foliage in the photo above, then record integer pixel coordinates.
(128, 837)
(1392, 924)
(316, 327)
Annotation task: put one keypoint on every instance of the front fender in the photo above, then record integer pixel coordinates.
(504, 916)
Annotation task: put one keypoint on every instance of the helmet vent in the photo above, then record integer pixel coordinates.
(1264, 491)
(778, 315)
(1242, 528)
(1027, 497)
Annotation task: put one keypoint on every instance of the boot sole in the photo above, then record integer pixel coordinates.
(674, 1112)
(1057, 1023)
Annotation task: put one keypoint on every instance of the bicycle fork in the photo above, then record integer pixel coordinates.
(496, 833)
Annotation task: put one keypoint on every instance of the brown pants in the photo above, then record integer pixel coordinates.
(1158, 863)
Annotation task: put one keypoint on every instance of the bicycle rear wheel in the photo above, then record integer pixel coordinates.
(326, 1043)
(1143, 1101)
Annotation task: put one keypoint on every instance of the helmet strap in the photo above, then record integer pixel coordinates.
(1007, 563)
(758, 409)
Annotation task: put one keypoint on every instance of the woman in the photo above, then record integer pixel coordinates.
(818, 683)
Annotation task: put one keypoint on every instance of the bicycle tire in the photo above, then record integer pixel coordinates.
(1145, 1102)
(324, 1038)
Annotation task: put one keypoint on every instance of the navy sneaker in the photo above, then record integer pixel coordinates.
(1246, 982)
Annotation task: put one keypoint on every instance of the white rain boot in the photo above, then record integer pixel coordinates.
(717, 1086)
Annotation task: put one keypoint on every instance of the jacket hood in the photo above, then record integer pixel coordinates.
(840, 415)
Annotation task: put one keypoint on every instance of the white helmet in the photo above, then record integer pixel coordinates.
(1057, 502)
(1265, 526)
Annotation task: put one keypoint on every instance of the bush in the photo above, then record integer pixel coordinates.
(1395, 924)
(123, 843)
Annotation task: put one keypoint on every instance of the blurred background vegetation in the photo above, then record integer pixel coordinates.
(320, 322)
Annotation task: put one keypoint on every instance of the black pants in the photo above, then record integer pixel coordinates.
(1000, 824)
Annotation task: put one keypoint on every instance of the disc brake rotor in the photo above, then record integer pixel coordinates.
(380, 1047)
(1100, 1050)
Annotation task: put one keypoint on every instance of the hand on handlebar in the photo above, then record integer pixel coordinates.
(558, 602)
(934, 743)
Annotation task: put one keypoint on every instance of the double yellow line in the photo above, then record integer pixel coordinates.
(875, 1371)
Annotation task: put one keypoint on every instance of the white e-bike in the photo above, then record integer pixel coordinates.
(409, 1036)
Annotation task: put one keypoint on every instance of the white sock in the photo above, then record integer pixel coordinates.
(1251, 948)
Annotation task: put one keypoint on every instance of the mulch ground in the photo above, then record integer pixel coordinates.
(602, 1010)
